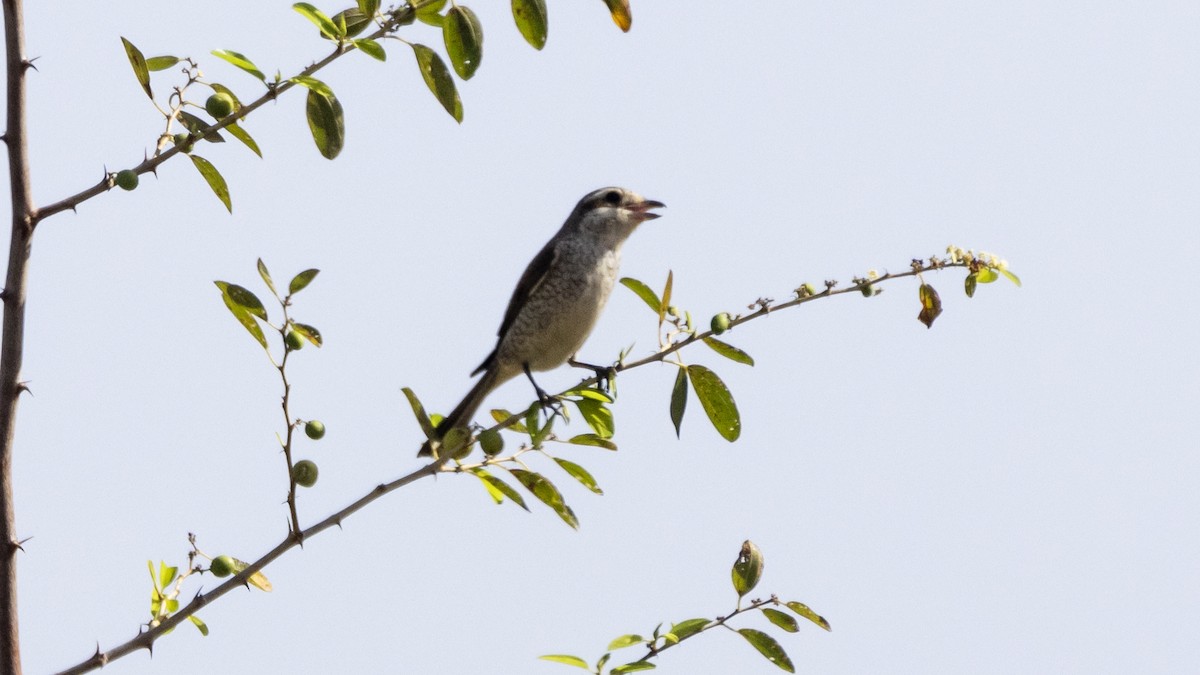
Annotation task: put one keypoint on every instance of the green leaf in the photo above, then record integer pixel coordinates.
(533, 419)
(243, 297)
(642, 291)
(625, 641)
(1010, 276)
(784, 621)
(931, 305)
(666, 295)
(747, 569)
(593, 440)
(566, 659)
(530, 17)
(589, 392)
(214, 179)
(427, 427)
(371, 48)
(243, 136)
(971, 280)
(241, 304)
(140, 70)
(634, 667)
(500, 415)
(438, 79)
(319, 19)
(493, 492)
(729, 351)
(266, 276)
(353, 20)
(501, 487)
(539, 437)
(679, 394)
(153, 579)
(368, 7)
(429, 16)
(597, 415)
(200, 127)
(308, 333)
(987, 275)
(718, 403)
(580, 474)
(803, 610)
(546, 493)
(768, 647)
(166, 574)
(463, 36)
(312, 84)
(302, 280)
(200, 625)
(240, 61)
(326, 122)
(688, 628)
(156, 63)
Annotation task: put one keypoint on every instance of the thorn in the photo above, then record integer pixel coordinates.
(4, 138)
(23, 387)
(28, 63)
(20, 545)
(97, 654)
(3, 293)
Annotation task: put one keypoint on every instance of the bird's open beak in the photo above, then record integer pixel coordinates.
(642, 209)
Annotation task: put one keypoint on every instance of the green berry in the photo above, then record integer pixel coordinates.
(869, 291)
(314, 430)
(491, 442)
(219, 105)
(294, 342)
(181, 139)
(222, 566)
(127, 179)
(304, 473)
(720, 323)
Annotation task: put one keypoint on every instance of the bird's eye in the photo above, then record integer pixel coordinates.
(612, 197)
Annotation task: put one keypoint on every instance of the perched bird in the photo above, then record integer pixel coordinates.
(559, 297)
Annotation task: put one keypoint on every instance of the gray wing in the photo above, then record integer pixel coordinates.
(530, 280)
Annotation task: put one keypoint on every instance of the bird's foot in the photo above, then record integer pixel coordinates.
(604, 374)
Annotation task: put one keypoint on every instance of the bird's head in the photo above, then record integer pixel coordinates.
(613, 212)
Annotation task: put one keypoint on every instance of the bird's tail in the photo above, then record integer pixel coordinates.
(464, 411)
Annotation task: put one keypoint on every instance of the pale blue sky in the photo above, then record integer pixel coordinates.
(1011, 491)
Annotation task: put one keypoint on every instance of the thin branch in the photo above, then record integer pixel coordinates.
(13, 343)
(146, 639)
(764, 308)
(400, 17)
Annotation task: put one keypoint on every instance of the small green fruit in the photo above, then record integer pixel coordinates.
(127, 179)
(181, 139)
(720, 323)
(869, 291)
(222, 566)
(294, 342)
(304, 473)
(314, 430)
(491, 442)
(219, 105)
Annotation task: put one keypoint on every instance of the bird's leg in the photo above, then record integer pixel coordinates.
(545, 399)
(604, 374)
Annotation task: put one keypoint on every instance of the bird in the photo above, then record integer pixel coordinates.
(558, 298)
